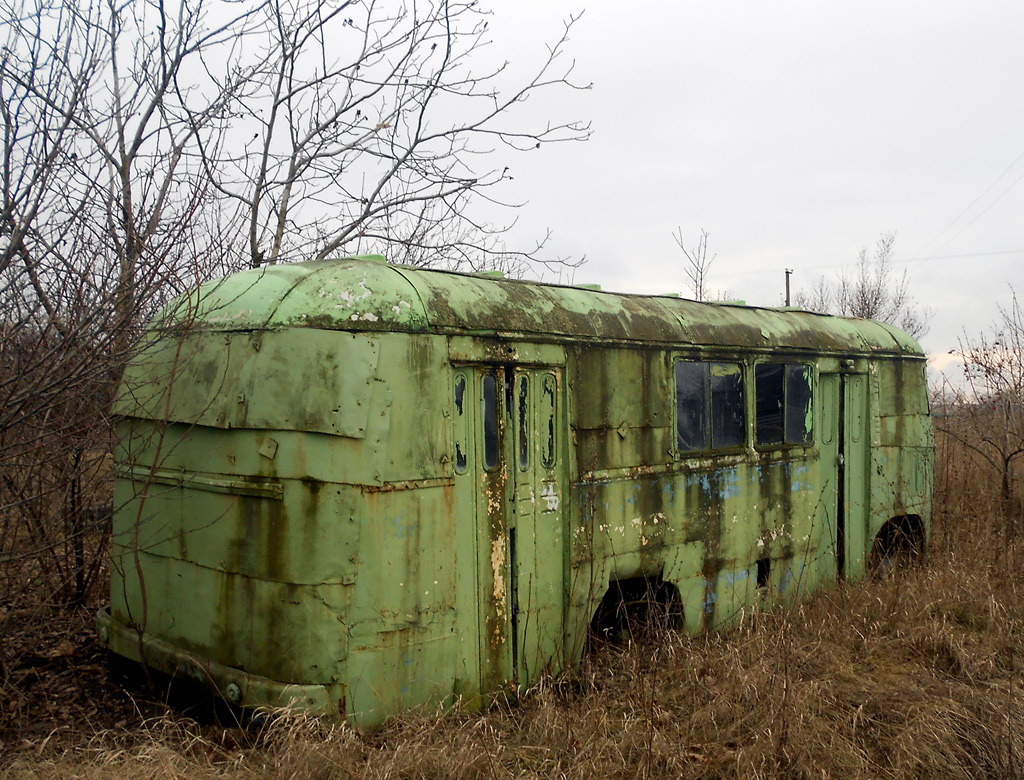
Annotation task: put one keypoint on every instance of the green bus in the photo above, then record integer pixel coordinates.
(361, 488)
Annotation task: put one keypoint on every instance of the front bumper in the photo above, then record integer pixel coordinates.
(233, 685)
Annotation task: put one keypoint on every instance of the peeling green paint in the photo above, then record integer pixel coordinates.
(315, 500)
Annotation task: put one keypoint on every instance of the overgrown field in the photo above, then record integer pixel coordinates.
(917, 676)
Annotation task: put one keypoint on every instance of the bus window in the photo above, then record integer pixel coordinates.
(490, 414)
(798, 404)
(524, 422)
(461, 460)
(783, 401)
(728, 422)
(770, 394)
(547, 421)
(691, 406)
(709, 406)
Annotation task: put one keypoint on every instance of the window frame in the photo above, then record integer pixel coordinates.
(710, 447)
(812, 383)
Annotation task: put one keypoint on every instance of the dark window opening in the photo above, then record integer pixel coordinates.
(709, 405)
(691, 406)
(770, 392)
(547, 421)
(460, 394)
(490, 413)
(461, 460)
(798, 404)
(524, 423)
(764, 571)
(783, 403)
(728, 421)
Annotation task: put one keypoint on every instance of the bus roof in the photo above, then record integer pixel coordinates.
(366, 294)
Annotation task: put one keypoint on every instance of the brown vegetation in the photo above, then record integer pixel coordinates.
(919, 675)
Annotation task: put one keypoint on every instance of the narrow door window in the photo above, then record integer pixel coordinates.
(461, 427)
(490, 414)
(523, 404)
(546, 421)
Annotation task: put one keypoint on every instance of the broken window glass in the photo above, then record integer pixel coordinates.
(461, 459)
(709, 405)
(547, 421)
(784, 407)
(798, 404)
(524, 422)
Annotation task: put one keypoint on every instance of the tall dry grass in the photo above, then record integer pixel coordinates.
(917, 676)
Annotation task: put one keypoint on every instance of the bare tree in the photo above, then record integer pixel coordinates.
(698, 264)
(985, 413)
(367, 126)
(872, 290)
(151, 145)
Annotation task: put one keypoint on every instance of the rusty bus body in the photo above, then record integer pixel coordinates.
(362, 488)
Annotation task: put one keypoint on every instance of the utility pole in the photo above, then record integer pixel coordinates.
(789, 272)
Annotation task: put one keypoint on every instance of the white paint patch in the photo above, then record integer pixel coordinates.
(498, 566)
(397, 309)
(550, 496)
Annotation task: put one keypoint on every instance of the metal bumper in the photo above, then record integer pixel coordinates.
(233, 685)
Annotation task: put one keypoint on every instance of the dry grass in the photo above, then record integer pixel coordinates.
(918, 676)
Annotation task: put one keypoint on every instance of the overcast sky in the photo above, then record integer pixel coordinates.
(794, 133)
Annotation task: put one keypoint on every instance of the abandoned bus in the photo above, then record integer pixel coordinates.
(361, 488)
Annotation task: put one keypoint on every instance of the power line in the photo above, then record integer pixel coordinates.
(971, 205)
(982, 212)
(961, 256)
(896, 262)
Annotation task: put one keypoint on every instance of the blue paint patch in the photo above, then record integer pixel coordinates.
(699, 479)
(787, 579)
(729, 482)
(710, 596)
(399, 528)
(733, 577)
(709, 602)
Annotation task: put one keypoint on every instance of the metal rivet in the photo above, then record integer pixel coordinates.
(234, 693)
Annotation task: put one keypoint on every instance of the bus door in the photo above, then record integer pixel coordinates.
(844, 457)
(509, 467)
